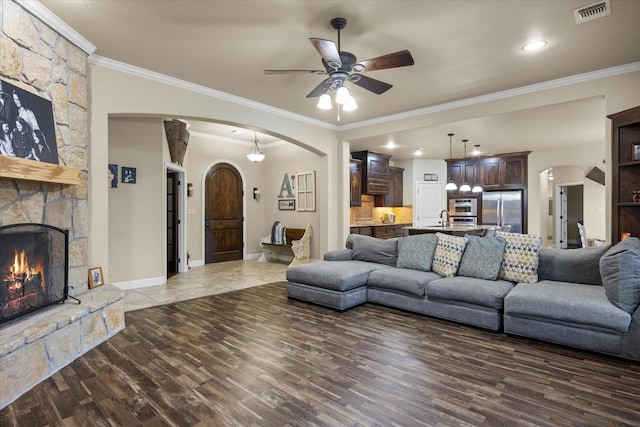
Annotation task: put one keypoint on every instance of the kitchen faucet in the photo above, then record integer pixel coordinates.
(443, 214)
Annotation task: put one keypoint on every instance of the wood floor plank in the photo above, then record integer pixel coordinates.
(255, 358)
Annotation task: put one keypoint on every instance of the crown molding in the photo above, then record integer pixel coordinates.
(538, 87)
(45, 15)
(203, 90)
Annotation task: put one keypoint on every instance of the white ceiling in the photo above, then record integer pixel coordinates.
(462, 49)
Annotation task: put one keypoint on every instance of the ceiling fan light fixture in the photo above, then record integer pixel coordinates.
(324, 103)
(255, 155)
(349, 104)
(342, 95)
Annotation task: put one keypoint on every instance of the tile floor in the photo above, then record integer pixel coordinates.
(206, 280)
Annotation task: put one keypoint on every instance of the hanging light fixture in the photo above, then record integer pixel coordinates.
(344, 100)
(255, 155)
(450, 184)
(476, 188)
(465, 187)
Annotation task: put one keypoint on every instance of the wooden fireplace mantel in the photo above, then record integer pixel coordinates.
(18, 168)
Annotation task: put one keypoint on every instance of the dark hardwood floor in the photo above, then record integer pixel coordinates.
(254, 358)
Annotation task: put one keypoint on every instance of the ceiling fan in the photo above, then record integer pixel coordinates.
(342, 66)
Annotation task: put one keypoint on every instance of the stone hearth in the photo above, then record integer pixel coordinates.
(35, 347)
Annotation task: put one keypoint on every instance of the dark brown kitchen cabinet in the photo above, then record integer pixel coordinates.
(394, 197)
(506, 171)
(365, 230)
(375, 172)
(625, 173)
(461, 170)
(355, 179)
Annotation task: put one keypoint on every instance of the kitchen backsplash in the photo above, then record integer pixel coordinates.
(368, 214)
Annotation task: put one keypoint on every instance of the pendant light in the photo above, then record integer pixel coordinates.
(465, 187)
(476, 188)
(255, 155)
(450, 184)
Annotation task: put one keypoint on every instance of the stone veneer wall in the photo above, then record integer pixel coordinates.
(32, 348)
(36, 58)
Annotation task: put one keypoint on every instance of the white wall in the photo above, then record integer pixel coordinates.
(136, 214)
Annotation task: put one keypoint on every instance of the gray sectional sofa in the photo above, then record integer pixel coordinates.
(586, 298)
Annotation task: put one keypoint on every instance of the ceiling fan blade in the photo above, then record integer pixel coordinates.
(402, 58)
(295, 72)
(373, 85)
(328, 50)
(320, 89)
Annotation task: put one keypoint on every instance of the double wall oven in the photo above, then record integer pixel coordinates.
(463, 211)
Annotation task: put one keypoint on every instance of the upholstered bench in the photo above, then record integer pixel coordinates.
(335, 284)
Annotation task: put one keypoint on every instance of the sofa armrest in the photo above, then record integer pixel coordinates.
(631, 339)
(338, 255)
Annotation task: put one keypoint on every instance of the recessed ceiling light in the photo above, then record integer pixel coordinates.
(417, 152)
(391, 144)
(534, 45)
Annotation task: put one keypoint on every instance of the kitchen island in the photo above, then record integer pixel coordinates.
(454, 230)
(381, 231)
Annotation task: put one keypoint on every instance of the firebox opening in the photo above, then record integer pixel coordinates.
(33, 267)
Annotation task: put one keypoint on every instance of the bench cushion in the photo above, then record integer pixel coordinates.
(487, 293)
(565, 302)
(334, 275)
(403, 280)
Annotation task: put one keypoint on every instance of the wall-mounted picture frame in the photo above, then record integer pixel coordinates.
(95, 277)
(635, 151)
(430, 176)
(112, 175)
(286, 205)
(27, 127)
(128, 175)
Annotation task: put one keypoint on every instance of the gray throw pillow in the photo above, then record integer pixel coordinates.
(620, 270)
(416, 252)
(370, 249)
(482, 257)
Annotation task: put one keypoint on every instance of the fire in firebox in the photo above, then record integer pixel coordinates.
(33, 264)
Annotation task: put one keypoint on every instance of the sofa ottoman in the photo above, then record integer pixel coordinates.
(336, 284)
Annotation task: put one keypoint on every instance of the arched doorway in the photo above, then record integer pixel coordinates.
(223, 216)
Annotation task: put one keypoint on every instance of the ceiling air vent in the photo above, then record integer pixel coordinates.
(592, 11)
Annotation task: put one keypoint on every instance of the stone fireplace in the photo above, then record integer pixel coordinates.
(35, 57)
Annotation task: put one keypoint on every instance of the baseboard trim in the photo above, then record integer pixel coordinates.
(141, 283)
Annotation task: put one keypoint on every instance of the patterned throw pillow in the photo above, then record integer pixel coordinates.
(520, 261)
(416, 252)
(482, 257)
(448, 254)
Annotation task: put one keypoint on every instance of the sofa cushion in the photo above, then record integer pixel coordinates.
(370, 249)
(571, 265)
(565, 302)
(334, 275)
(487, 293)
(520, 261)
(416, 252)
(620, 269)
(482, 257)
(448, 254)
(403, 280)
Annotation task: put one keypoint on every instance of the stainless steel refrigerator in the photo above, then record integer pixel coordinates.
(503, 208)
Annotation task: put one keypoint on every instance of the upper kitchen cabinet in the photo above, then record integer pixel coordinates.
(375, 172)
(461, 170)
(394, 197)
(355, 182)
(505, 171)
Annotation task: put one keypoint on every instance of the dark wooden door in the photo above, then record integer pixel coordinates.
(223, 214)
(172, 223)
